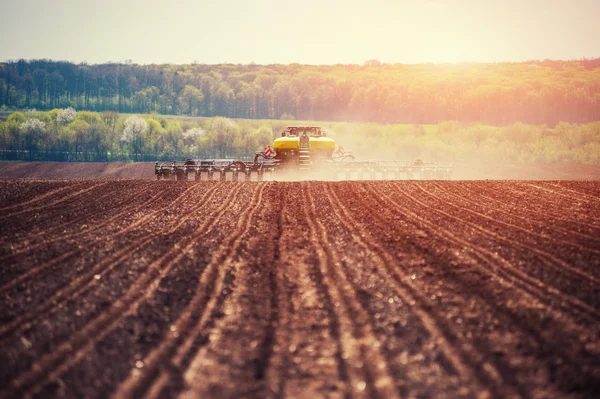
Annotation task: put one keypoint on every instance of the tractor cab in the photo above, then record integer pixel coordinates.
(303, 131)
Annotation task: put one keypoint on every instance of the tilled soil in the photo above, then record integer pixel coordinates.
(76, 170)
(312, 289)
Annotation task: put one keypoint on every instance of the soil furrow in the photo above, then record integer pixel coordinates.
(73, 314)
(55, 363)
(507, 251)
(531, 206)
(198, 360)
(546, 257)
(68, 230)
(38, 197)
(575, 346)
(362, 384)
(497, 304)
(378, 381)
(462, 357)
(505, 269)
(279, 302)
(309, 358)
(590, 189)
(569, 199)
(189, 326)
(85, 281)
(466, 195)
(139, 332)
(564, 192)
(121, 229)
(270, 367)
(89, 211)
(142, 288)
(101, 227)
(48, 205)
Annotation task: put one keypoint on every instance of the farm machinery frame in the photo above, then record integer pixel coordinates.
(301, 151)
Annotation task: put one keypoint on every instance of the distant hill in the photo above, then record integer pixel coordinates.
(536, 92)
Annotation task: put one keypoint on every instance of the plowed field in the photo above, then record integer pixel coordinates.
(312, 289)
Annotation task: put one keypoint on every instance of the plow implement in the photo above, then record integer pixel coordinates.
(390, 170)
(214, 169)
(302, 153)
(235, 170)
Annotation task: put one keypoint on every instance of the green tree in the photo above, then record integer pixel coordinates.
(133, 134)
(190, 101)
(33, 132)
(154, 136)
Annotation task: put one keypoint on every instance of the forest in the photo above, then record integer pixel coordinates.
(68, 135)
(499, 94)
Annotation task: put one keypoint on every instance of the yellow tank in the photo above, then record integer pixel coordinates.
(289, 144)
(323, 145)
(283, 144)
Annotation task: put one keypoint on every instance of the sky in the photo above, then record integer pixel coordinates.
(299, 31)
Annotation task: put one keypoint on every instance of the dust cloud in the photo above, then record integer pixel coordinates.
(467, 170)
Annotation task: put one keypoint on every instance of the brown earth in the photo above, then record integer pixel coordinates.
(311, 289)
(76, 170)
(461, 170)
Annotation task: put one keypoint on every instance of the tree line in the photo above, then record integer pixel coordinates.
(68, 135)
(537, 92)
